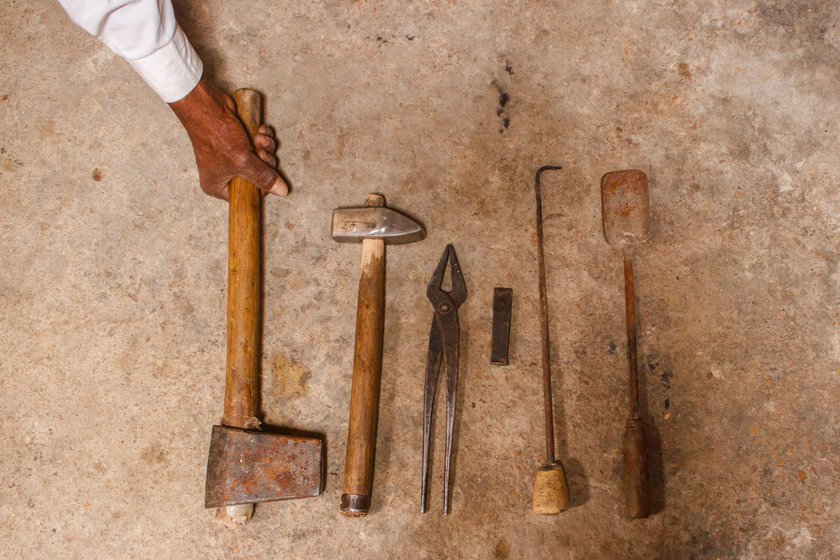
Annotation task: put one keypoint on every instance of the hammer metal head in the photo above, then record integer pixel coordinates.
(625, 207)
(250, 466)
(374, 222)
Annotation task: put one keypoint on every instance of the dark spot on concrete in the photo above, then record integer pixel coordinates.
(508, 68)
(666, 377)
(667, 403)
(472, 404)
(97, 174)
(4, 97)
(410, 37)
(612, 347)
(684, 71)
(154, 455)
(502, 550)
(501, 111)
(706, 545)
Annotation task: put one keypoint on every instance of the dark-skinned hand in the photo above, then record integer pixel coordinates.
(222, 147)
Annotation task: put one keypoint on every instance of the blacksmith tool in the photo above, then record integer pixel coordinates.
(373, 225)
(247, 465)
(502, 311)
(551, 491)
(444, 339)
(625, 206)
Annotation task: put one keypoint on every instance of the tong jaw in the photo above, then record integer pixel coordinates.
(458, 294)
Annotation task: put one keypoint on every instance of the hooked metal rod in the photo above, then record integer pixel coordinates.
(548, 404)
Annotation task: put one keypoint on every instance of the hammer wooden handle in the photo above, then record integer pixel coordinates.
(244, 284)
(367, 371)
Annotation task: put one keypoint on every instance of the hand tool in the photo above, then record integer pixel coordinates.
(245, 465)
(551, 491)
(444, 339)
(624, 210)
(502, 309)
(373, 225)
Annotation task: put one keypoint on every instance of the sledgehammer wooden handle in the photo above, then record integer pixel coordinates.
(243, 308)
(367, 372)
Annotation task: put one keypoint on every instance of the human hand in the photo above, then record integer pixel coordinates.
(222, 147)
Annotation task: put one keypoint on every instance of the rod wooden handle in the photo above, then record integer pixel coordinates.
(635, 470)
(367, 371)
(243, 307)
(551, 491)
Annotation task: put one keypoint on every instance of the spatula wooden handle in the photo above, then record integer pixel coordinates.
(635, 471)
(244, 279)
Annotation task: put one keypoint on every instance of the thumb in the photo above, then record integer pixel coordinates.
(263, 176)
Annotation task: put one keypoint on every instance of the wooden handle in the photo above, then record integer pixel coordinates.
(551, 491)
(367, 371)
(243, 308)
(635, 471)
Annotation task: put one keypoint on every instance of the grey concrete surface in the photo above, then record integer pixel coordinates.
(112, 282)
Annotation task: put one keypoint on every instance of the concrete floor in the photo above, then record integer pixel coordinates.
(114, 270)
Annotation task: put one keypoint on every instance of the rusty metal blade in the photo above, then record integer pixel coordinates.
(625, 206)
(249, 466)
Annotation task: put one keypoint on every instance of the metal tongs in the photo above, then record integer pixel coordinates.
(443, 345)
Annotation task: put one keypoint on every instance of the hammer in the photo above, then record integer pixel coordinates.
(247, 465)
(373, 225)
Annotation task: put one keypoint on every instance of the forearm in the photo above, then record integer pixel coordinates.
(145, 33)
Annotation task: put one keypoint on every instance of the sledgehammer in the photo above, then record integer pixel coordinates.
(247, 465)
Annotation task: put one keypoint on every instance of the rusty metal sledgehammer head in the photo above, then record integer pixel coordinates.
(374, 221)
(253, 466)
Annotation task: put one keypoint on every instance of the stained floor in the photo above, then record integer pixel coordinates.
(114, 271)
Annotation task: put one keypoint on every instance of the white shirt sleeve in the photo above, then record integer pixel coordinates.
(145, 33)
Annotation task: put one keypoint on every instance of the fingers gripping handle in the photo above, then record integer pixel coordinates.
(364, 392)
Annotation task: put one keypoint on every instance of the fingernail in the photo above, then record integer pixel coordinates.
(279, 188)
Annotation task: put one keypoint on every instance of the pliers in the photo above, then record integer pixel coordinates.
(443, 346)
